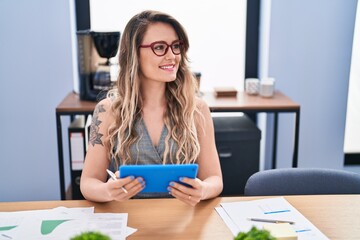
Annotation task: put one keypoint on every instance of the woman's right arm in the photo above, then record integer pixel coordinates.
(94, 183)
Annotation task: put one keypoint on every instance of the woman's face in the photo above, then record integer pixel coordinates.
(158, 68)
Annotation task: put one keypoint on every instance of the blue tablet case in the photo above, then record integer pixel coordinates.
(158, 177)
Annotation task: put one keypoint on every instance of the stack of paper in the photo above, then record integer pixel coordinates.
(237, 216)
(62, 223)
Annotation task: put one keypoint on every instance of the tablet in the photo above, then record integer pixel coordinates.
(157, 177)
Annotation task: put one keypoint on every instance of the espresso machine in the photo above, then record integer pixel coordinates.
(95, 49)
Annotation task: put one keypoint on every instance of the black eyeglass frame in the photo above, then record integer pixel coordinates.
(151, 45)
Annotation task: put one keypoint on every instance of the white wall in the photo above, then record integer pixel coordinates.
(310, 52)
(35, 75)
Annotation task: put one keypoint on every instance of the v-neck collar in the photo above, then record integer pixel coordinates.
(158, 149)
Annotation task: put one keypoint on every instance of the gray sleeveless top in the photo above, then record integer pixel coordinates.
(144, 152)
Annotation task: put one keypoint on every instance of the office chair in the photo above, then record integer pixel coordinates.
(302, 181)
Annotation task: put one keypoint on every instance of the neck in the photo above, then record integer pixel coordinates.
(153, 95)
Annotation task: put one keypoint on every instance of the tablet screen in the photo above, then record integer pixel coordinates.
(158, 177)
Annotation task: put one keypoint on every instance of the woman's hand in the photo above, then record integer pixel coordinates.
(123, 189)
(188, 195)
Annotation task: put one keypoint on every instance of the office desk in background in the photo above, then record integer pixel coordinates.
(71, 105)
(249, 104)
(337, 216)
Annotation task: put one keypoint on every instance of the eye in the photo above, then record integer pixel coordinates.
(176, 46)
(159, 47)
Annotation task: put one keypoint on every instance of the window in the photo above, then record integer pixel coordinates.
(352, 128)
(223, 34)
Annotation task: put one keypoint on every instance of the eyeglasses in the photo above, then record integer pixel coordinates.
(160, 48)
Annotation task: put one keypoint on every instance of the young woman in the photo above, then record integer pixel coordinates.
(152, 117)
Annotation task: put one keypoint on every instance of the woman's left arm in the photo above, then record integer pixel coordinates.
(208, 183)
(209, 165)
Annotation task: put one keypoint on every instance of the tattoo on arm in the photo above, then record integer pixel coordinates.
(95, 135)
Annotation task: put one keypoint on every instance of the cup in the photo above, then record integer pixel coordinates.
(252, 86)
(267, 87)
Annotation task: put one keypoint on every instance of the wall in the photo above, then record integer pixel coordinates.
(35, 75)
(310, 53)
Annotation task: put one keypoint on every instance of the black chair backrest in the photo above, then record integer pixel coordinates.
(302, 181)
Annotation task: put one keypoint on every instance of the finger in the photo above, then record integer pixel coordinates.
(186, 198)
(130, 184)
(188, 181)
(119, 182)
(134, 185)
(181, 191)
(125, 186)
(188, 190)
(180, 187)
(118, 195)
(188, 194)
(115, 192)
(133, 188)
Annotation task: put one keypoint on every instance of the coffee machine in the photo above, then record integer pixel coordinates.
(95, 49)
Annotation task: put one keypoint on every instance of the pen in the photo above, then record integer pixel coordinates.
(269, 220)
(113, 177)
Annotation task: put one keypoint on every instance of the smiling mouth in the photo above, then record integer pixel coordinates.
(167, 67)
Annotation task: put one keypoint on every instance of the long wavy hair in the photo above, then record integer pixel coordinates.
(182, 111)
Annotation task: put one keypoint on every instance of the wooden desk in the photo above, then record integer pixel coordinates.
(243, 102)
(72, 105)
(337, 216)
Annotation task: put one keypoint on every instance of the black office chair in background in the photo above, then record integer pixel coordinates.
(302, 181)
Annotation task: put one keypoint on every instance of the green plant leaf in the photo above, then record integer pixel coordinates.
(255, 234)
(91, 236)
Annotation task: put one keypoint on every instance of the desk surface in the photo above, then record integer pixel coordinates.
(242, 102)
(72, 103)
(246, 102)
(337, 216)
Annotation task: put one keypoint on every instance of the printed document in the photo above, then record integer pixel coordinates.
(237, 215)
(62, 223)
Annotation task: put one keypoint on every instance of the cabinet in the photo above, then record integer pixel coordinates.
(238, 144)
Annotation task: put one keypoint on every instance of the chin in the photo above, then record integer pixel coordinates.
(171, 79)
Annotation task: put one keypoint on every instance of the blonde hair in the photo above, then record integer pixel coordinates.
(182, 111)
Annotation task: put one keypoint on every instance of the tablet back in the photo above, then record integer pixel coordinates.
(158, 177)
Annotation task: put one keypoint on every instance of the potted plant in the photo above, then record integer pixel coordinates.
(255, 234)
(91, 236)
